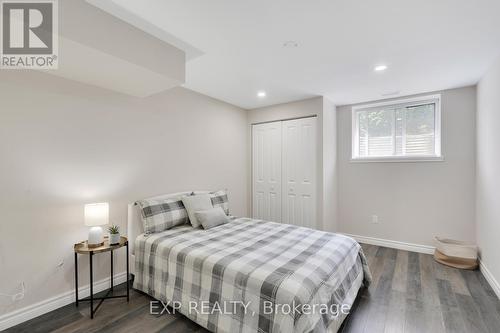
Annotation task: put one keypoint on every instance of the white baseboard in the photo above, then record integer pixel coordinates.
(394, 244)
(490, 278)
(29, 312)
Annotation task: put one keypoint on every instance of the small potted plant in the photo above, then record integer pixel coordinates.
(114, 234)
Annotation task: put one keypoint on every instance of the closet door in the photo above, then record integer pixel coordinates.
(266, 169)
(299, 154)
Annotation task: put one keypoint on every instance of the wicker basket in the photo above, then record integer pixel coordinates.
(456, 253)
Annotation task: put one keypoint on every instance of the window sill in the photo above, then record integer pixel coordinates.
(397, 159)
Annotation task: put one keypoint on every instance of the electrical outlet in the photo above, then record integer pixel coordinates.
(16, 297)
(19, 296)
(375, 219)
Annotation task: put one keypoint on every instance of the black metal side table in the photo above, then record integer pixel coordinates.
(83, 248)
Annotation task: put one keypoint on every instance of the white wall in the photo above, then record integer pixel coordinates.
(325, 111)
(414, 201)
(64, 144)
(488, 171)
(298, 109)
(330, 168)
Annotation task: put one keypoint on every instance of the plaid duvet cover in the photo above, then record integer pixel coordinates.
(252, 276)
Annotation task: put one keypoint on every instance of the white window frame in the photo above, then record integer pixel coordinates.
(437, 156)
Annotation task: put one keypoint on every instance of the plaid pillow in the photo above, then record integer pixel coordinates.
(219, 199)
(163, 214)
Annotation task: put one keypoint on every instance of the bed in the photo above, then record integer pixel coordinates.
(250, 275)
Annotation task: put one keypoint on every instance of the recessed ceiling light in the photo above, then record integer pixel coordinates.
(290, 44)
(261, 94)
(380, 68)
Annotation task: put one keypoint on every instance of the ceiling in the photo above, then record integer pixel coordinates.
(235, 47)
(88, 57)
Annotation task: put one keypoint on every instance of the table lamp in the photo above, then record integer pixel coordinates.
(96, 214)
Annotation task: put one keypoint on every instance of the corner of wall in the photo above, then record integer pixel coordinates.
(487, 210)
(329, 171)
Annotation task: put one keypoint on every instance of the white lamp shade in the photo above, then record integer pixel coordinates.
(96, 214)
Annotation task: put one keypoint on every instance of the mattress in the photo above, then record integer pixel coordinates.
(253, 276)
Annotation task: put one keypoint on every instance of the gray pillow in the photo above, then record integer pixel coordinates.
(162, 214)
(211, 217)
(194, 203)
(219, 199)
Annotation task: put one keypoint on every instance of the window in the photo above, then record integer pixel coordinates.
(399, 131)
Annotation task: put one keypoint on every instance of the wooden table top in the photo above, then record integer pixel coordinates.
(83, 248)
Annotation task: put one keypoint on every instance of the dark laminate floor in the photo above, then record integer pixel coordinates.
(410, 293)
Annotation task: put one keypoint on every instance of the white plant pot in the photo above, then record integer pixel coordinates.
(114, 238)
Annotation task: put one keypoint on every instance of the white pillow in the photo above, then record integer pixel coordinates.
(211, 217)
(194, 203)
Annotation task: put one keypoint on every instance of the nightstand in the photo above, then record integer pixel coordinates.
(82, 248)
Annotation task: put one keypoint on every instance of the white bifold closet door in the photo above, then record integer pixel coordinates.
(266, 166)
(284, 171)
(299, 172)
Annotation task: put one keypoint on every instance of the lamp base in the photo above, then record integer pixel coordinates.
(95, 237)
(91, 246)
